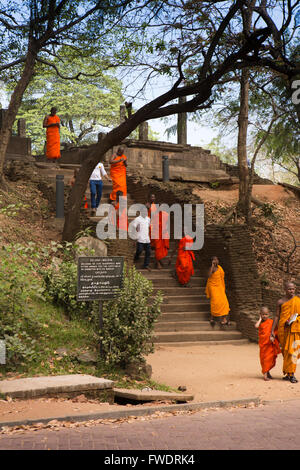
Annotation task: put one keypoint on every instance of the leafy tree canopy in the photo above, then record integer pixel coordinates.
(85, 105)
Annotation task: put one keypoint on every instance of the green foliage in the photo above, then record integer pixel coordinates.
(24, 308)
(12, 210)
(226, 154)
(128, 320)
(267, 211)
(17, 286)
(214, 184)
(85, 106)
(61, 288)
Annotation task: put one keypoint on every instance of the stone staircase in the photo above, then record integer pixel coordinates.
(185, 315)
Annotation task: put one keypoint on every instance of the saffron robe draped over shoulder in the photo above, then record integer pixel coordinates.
(289, 337)
(184, 262)
(268, 351)
(118, 176)
(215, 291)
(159, 234)
(52, 138)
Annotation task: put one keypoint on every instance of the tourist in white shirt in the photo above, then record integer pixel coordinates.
(142, 226)
(96, 185)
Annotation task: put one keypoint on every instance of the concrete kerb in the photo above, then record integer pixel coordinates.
(138, 411)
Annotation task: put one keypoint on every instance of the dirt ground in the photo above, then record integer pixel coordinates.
(221, 372)
(210, 373)
(264, 192)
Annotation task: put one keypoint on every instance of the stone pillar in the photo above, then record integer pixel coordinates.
(182, 124)
(143, 131)
(22, 127)
(122, 113)
(165, 168)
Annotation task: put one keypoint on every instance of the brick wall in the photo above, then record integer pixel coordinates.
(270, 298)
(233, 246)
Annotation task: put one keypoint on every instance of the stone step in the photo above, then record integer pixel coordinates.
(175, 344)
(151, 395)
(191, 299)
(192, 325)
(184, 316)
(188, 307)
(174, 291)
(66, 386)
(170, 282)
(169, 337)
(167, 274)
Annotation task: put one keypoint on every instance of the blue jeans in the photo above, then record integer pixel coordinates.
(139, 248)
(96, 192)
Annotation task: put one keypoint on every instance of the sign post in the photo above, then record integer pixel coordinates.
(99, 278)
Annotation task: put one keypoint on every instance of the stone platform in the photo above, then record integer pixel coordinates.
(151, 395)
(65, 386)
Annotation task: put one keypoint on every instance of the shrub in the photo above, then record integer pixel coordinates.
(128, 320)
(61, 287)
(17, 285)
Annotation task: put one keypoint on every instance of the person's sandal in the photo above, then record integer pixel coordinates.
(212, 323)
(293, 379)
(286, 377)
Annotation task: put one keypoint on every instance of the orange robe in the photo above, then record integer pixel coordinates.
(151, 212)
(289, 337)
(52, 138)
(118, 176)
(268, 351)
(159, 228)
(215, 291)
(120, 220)
(184, 263)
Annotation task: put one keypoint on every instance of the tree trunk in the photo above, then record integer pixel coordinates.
(244, 204)
(91, 157)
(242, 143)
(14, 105)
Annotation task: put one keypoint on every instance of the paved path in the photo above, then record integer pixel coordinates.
(273, 426)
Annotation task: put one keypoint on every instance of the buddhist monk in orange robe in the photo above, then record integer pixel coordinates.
(184, 262)
(120, 219)
(152, 208)
(215, 291)
(118, 164)
(268, 350)
(160, 235)
(52, 125)
(288, 330)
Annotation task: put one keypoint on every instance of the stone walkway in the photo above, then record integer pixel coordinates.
(275, 426)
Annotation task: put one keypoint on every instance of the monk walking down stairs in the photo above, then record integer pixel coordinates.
(215, 291)
(118, 164)
(184, 267)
